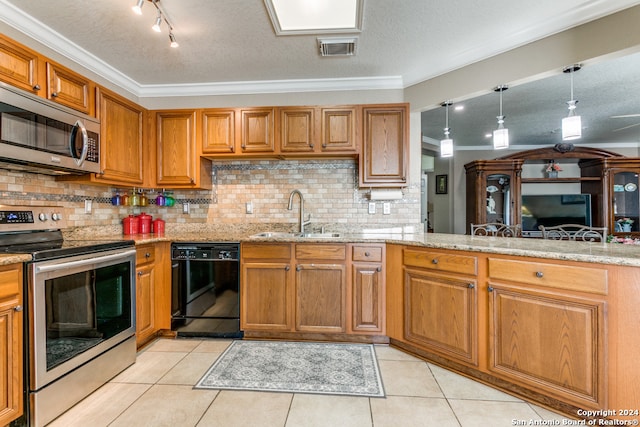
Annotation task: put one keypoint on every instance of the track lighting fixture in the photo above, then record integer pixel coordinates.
(501, 135)
(156, 26)
(172, 39)
(161, 16)
(137, 9)
(446, 145)
(572, 124)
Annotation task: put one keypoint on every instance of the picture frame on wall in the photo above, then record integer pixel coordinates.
(441, 184)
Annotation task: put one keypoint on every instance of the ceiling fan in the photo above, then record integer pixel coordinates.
(626, 116)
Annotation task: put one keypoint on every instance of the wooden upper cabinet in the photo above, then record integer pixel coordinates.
(383, 162)
(257, 130)
(338, 130)
(178, 159)
(176, 145)
(121, 138)
(218, 132)
(70, 89)
(21, 67)
(297, 129)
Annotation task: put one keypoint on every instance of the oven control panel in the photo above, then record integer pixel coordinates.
(204, 253)
(28, 218)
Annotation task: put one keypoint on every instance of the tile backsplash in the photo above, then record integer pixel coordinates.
(330, 189)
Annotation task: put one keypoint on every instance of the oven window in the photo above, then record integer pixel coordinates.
(85, 309)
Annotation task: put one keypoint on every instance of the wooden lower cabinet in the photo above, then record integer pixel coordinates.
(153, 291)
(311, 290)
(321, 293)
(11, 343)
(562, 334)
(551, 342)
(441, 314)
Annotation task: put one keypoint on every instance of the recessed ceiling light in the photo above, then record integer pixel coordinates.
(290, 17)
(488, 135)
(458, 107)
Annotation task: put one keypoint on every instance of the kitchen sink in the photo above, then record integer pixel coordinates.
(276, 235)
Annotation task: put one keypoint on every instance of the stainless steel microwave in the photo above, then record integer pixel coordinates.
(38, 135)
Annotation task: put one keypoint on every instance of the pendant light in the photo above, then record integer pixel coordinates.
(446, 145)
(501, 135)
(137, 9)
(572, 124)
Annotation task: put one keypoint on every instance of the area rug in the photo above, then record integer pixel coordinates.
(296, 367)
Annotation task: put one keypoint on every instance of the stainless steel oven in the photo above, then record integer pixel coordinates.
(79, 310)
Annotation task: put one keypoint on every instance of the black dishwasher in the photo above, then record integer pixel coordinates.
(205, 281)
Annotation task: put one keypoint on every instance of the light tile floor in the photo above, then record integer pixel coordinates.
(158, 391)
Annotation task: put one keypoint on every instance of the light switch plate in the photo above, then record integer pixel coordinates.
(372, 207)
(249, 207)
(386, 208)
(88, 204)
(185, 207)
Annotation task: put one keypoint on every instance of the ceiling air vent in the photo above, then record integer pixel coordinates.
(337, 46)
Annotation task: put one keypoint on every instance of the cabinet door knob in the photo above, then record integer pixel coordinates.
(54, 94)
(139, 273)
(490, 289)
(18, 308)
(287, 268)
(471, 286)
(434, 261)
(36, 87)
(539, 274)
(298, 268)
(147, 255)
(324, 145)
(311, 146)
(379, 269)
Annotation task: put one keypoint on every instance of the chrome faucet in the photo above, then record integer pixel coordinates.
(301, 219)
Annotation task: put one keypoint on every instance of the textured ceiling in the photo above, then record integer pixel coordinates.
(229, 46)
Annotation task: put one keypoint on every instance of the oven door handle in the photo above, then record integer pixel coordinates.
(81, 262)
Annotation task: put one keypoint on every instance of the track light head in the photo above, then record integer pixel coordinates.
(137, 9)
(172, 39)
(156, 26)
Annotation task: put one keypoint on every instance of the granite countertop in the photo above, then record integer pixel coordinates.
(604, 253)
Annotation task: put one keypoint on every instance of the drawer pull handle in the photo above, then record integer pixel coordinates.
(367, 254)
(36, 87)
(490, 289)
(54, 94)
(539, 274)
(434, 261)
(18, 308)
(147, 255)
(471, 286)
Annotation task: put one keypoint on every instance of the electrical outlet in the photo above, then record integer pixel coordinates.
(372, 207)
(88, 204)
(249, 207)
(386, 208)
(186, 207)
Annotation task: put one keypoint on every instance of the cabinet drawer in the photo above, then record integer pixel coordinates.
(585, 279)
(145, 254)
(454, 263)
(266, 251)
(367, 253)
(10, 281)
(332, 252)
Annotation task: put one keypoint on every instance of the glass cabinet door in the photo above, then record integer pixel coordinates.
(498, 190)
(626, 202)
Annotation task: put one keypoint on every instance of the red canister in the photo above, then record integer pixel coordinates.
(158, 226)
(145, 223)
(131, 225)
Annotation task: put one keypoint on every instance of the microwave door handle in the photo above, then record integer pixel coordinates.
(85, 142)
(79, 263)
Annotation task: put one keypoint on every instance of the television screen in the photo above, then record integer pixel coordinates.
(554, 209)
